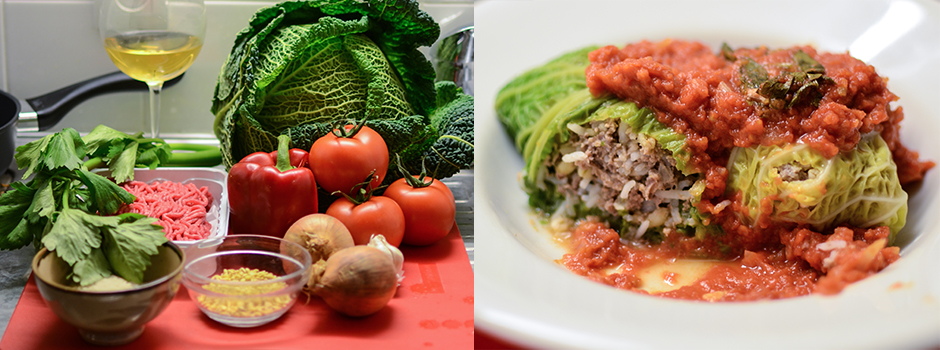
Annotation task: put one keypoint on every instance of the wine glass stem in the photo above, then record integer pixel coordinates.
(155, 88)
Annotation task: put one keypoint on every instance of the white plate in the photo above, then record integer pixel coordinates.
(523, 296)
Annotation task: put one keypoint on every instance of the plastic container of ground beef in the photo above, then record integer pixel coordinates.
(214, 180)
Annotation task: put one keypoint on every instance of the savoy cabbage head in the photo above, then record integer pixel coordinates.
(303, 67)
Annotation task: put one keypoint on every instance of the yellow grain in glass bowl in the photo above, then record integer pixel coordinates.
(241, 306)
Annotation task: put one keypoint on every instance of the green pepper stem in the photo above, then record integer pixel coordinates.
(283, 153)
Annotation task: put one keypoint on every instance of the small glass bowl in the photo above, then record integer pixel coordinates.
(246, 303)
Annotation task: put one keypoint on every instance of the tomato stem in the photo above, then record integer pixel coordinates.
(363, 191)
(411, 180)
(341, 131)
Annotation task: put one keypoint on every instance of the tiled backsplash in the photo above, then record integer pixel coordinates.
(47, 45)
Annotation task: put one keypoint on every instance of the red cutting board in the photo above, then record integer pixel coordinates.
(433, 309)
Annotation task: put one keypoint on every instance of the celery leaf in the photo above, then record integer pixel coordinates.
(65, 149)
(108, 196)
(14, 204)
(75, 233)
(130, 244)
(90, 269)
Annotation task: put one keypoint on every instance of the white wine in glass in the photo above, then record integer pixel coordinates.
(153, 56)
(153, 41)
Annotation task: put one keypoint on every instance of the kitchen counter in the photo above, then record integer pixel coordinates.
(13, 277)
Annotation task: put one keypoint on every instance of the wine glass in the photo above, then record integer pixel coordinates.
(152, 41)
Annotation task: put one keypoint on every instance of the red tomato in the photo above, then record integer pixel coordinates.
(378, 215)
(429, 211)
(340, 163)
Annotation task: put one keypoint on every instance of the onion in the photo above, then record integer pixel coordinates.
(357, 281)
(321, 235)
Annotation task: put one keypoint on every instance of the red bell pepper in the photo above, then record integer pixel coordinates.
(268, 192)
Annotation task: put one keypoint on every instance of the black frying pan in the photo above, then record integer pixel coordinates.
(43, 112)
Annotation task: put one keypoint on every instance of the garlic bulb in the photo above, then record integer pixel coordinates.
(379, 242)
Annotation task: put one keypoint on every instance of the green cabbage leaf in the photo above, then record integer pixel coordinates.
(302, 67)
(551, 130)
(859, 188)
(523, 100)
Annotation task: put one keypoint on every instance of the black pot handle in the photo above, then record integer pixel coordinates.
(52, 107)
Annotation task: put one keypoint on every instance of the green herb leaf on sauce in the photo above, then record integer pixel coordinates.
(798, 84)
(808, 64)
(808, 92)
(753, 74)
(776, 90)
(728, 53)
(753, 78)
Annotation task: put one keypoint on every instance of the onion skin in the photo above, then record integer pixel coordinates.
(358, 281)
(321, 234)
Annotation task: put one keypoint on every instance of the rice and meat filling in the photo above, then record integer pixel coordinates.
(608, 166)
(794, 172)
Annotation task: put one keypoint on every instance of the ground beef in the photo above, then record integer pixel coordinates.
(792, 172)
(621, 176)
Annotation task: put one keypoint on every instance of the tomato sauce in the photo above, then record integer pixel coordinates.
(706, 96)
(699, 93)
(805, 262)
